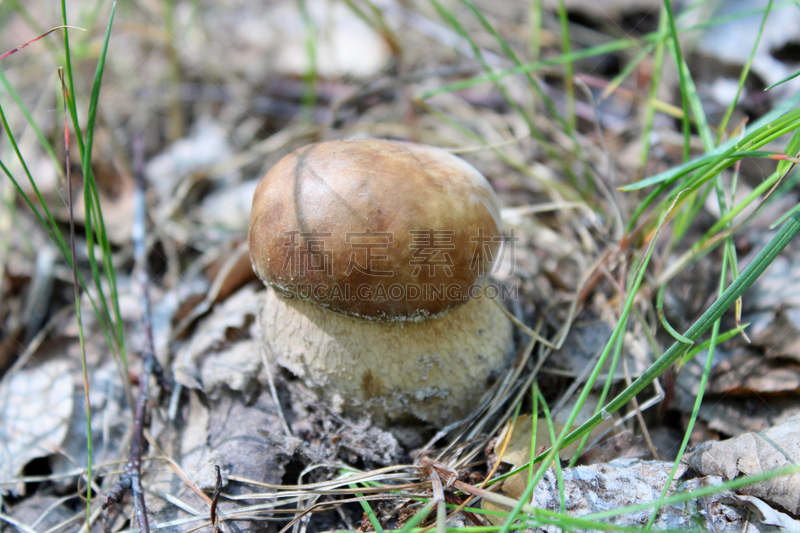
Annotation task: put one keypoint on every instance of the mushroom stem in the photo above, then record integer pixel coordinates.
(435, 371)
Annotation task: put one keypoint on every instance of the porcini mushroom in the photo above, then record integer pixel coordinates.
(376, 252)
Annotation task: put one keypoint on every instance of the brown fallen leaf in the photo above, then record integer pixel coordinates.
(749, 372)
(35, 407)
(780, 335)
(732, 414)
(755, 453)
(221, 353)
(625, 444)
(228, 274)
(766, 514)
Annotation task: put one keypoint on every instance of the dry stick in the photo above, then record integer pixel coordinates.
(217, 489)
(132, 477)
(48, 32)
(638, 410)
(77, 287)
(461, 506)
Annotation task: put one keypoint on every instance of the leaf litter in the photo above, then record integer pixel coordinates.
(225, 414)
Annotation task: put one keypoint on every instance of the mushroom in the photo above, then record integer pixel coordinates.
(376, 252)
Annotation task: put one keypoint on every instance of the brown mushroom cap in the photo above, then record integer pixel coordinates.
(374, 229)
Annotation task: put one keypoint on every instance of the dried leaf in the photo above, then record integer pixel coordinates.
(626, 444)
(755, 453)
(223, 432)
(767, 515)
(206, 146)
(586, 341)
(732, 415)
(778, 332)
(36, 407)
(221, 351)
(111, 418)
(47, 512)
(749, 373)
(518, 451)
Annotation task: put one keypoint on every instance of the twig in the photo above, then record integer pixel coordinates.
(217, 490)
(48, 32)
(132, 477)
(433, 470)
(638, 411)
(65, 95)
(455, 500)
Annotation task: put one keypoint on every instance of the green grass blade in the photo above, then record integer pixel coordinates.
(612, 369)
(552, 152)
(563, 439)
(569, 69)
(73, 109)
(310, 75)
(86, 156)
(667, 326)
(47, 221)
(697, 403)
(602, 49)
(78, 314)
(784, 80)
(652, 96)
(451, 19)
(785, 112)
(792, 148)
(534, 426)
(728, 335)
(791, 212)
(50, 224)
(90, 186)
(676, 46)
(617, 80)
(418, 517)
(698, 494)
(696, 105)
(766, 256)
(559, 473)
(537, 87)
(689, 214)
(723, 125)
(88, 206)
(31, 122)
(762, 260)
(709, 166)
(368, 510)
